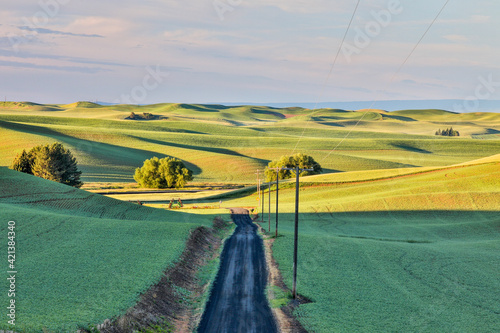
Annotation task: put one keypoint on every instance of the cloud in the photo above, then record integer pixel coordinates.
(55, 32)
(78, 60)
(480, 18)
(456, 38)
(77, 69)
(303, 6)
(100, 26)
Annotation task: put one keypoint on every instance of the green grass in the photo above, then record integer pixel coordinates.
(81, 257)
(228, 143)
(401, 234)
(418, 253)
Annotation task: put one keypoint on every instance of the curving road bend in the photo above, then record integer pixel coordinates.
(238, 303)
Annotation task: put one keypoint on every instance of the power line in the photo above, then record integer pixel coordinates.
(331, 69)
(392, 78)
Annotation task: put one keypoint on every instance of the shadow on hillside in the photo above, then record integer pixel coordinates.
(413, 227)
(325, 171)
(104, 152)
(409, 147)
(204, 107)
(402, 118)
(223, 151)
(492, 131)
(331, 123)
(270, 113)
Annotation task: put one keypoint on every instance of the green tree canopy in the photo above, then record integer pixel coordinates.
(167, 172)
(53, 162)
(291, 161)
(448, 132)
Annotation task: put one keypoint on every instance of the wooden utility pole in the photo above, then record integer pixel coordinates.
(269, 211)
(258, 183)
(277, 190)
(296, 236)
(263, 198)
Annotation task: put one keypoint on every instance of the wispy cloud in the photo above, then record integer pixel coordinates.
(456, 38)
(75, 69)
(55, 32)
(263, 50)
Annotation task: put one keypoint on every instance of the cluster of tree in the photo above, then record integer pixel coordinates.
(291, 161)
(53, 162)
(143, 116)
(448, 132)
(167, 172)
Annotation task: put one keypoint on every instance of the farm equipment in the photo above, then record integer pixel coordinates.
(175, 204)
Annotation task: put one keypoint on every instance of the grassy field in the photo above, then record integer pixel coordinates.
(401, 233)
(82, 257)
(229, 143)
(393, 251)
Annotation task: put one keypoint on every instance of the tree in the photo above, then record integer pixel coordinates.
(291, 161)
(167, 172)
(22, 163)
(53, 162)
(448, 132)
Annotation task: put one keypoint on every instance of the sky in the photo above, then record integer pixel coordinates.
(260, 51)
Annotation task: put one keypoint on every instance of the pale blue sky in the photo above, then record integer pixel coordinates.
(246, 50)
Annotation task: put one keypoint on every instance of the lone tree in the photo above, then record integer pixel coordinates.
(53, 162)
(167, 172)
(291, 161)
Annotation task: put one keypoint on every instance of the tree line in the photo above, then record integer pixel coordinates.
(448, 132)
(55, 162)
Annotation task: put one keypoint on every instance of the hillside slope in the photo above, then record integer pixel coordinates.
(415, 252)
(227, 144)
(81, 257)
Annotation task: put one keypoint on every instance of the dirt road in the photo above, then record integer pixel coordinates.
(238, 303)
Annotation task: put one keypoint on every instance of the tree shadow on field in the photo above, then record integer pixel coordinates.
(104, 153)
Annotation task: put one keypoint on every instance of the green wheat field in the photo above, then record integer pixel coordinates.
(401, 233)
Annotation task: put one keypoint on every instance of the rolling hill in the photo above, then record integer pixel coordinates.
(387, 250)
(399, 234)
(222, 143)
(81, 257)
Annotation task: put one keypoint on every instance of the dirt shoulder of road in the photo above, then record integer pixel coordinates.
(287, 322)
(175, 301)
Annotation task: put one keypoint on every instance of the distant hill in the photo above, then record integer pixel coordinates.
(444, 104)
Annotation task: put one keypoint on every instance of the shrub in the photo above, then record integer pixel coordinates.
(167, 172)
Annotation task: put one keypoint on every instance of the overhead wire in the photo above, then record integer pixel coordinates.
(392, 78)
(331, 69)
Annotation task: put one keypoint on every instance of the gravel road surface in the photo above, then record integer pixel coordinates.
(238, 303)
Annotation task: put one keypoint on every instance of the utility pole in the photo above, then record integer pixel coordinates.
(269, 211)
(258, 182)
(263, 198)
(277, 190)
(296, 236)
